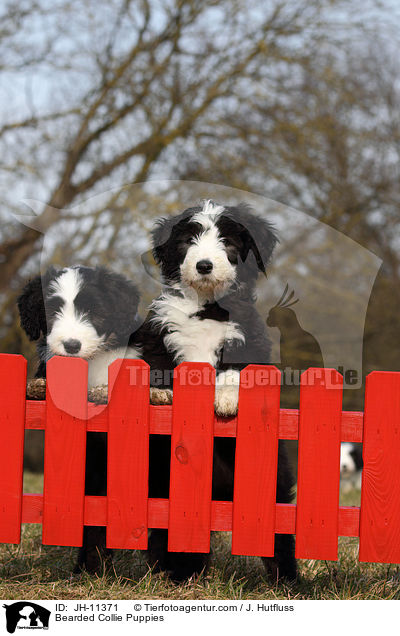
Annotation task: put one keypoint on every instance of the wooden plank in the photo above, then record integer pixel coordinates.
(221, 515)
(349, 521)
(128, 454)
(158, 513)
(352, 426)
(161, 421)
(32, 508)
(191, 458)
(289, 424)
(254, 500)
(65, 449)
(319, 464)
(380, 490)
(12, 430)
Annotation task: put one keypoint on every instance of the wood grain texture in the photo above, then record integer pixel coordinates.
(65, 451)
(254, 500)
(380, 491)
(128, 454)
(221, 515)
(12, 431)
(161, 421)
(319, 465)
(191, 458)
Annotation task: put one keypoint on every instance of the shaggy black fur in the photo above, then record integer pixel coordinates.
(356, 453)
(249, 242)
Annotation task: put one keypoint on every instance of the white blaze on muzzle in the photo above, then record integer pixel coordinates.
(69, 324)
(208, 246)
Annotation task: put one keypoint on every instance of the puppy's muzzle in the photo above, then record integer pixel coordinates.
(72, 346)
(204, 266)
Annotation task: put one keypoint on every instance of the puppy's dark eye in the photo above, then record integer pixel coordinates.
(53, 305)
(228, 242)
(188, 240)
(85, 302)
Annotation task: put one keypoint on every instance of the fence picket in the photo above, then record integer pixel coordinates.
(128, 454)
(254, 501)
(191, 458)
(317, 517)
(65, 449)
(380, 490)
(12, 430)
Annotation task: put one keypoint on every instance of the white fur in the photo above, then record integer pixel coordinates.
(208, 246)
(189, 338)
(227, 392)
(348, 483)
(347, 464)
(98, 366)
(69, 324)
(67, 285)
(208, 214)
(350, 475)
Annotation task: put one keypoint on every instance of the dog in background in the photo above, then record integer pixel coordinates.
(210, 258)
(351, 464)
(88, 313)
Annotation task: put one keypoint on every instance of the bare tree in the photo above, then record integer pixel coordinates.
(289, 99)
(112, 95)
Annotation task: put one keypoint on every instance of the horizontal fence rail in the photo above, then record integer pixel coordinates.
(254, 517)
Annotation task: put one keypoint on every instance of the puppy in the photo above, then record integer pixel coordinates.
(210, 257)
(351, 464)
(88, 313)
(82, 312)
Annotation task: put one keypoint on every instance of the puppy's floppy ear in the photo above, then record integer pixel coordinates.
(259, 236)
(121, 297)
(160, 235)
(31, 305)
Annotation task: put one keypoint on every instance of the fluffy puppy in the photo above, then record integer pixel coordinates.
(88, 313)
(210, 258)
(81, 312)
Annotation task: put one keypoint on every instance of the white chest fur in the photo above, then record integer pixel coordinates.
(189, 338)
(98, 366)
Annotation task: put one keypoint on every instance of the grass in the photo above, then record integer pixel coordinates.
(32, 571)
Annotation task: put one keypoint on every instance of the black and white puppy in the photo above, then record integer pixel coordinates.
(88, 313)
(210, 258)
(351, 464)
(82, 312)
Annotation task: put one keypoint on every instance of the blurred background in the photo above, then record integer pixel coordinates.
(114, 113)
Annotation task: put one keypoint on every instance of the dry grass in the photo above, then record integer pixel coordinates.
(32, 571)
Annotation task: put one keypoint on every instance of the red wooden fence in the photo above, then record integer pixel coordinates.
(253, 517)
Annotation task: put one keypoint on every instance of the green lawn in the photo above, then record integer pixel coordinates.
(32, 571)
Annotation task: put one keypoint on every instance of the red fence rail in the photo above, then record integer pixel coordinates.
(190, 515)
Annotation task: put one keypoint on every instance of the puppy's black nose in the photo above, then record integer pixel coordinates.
(72, 346)
(204, 266)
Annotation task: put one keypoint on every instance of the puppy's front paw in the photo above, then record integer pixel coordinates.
(98, 394)
(160, 396)
(226, 400)
(36, 389)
